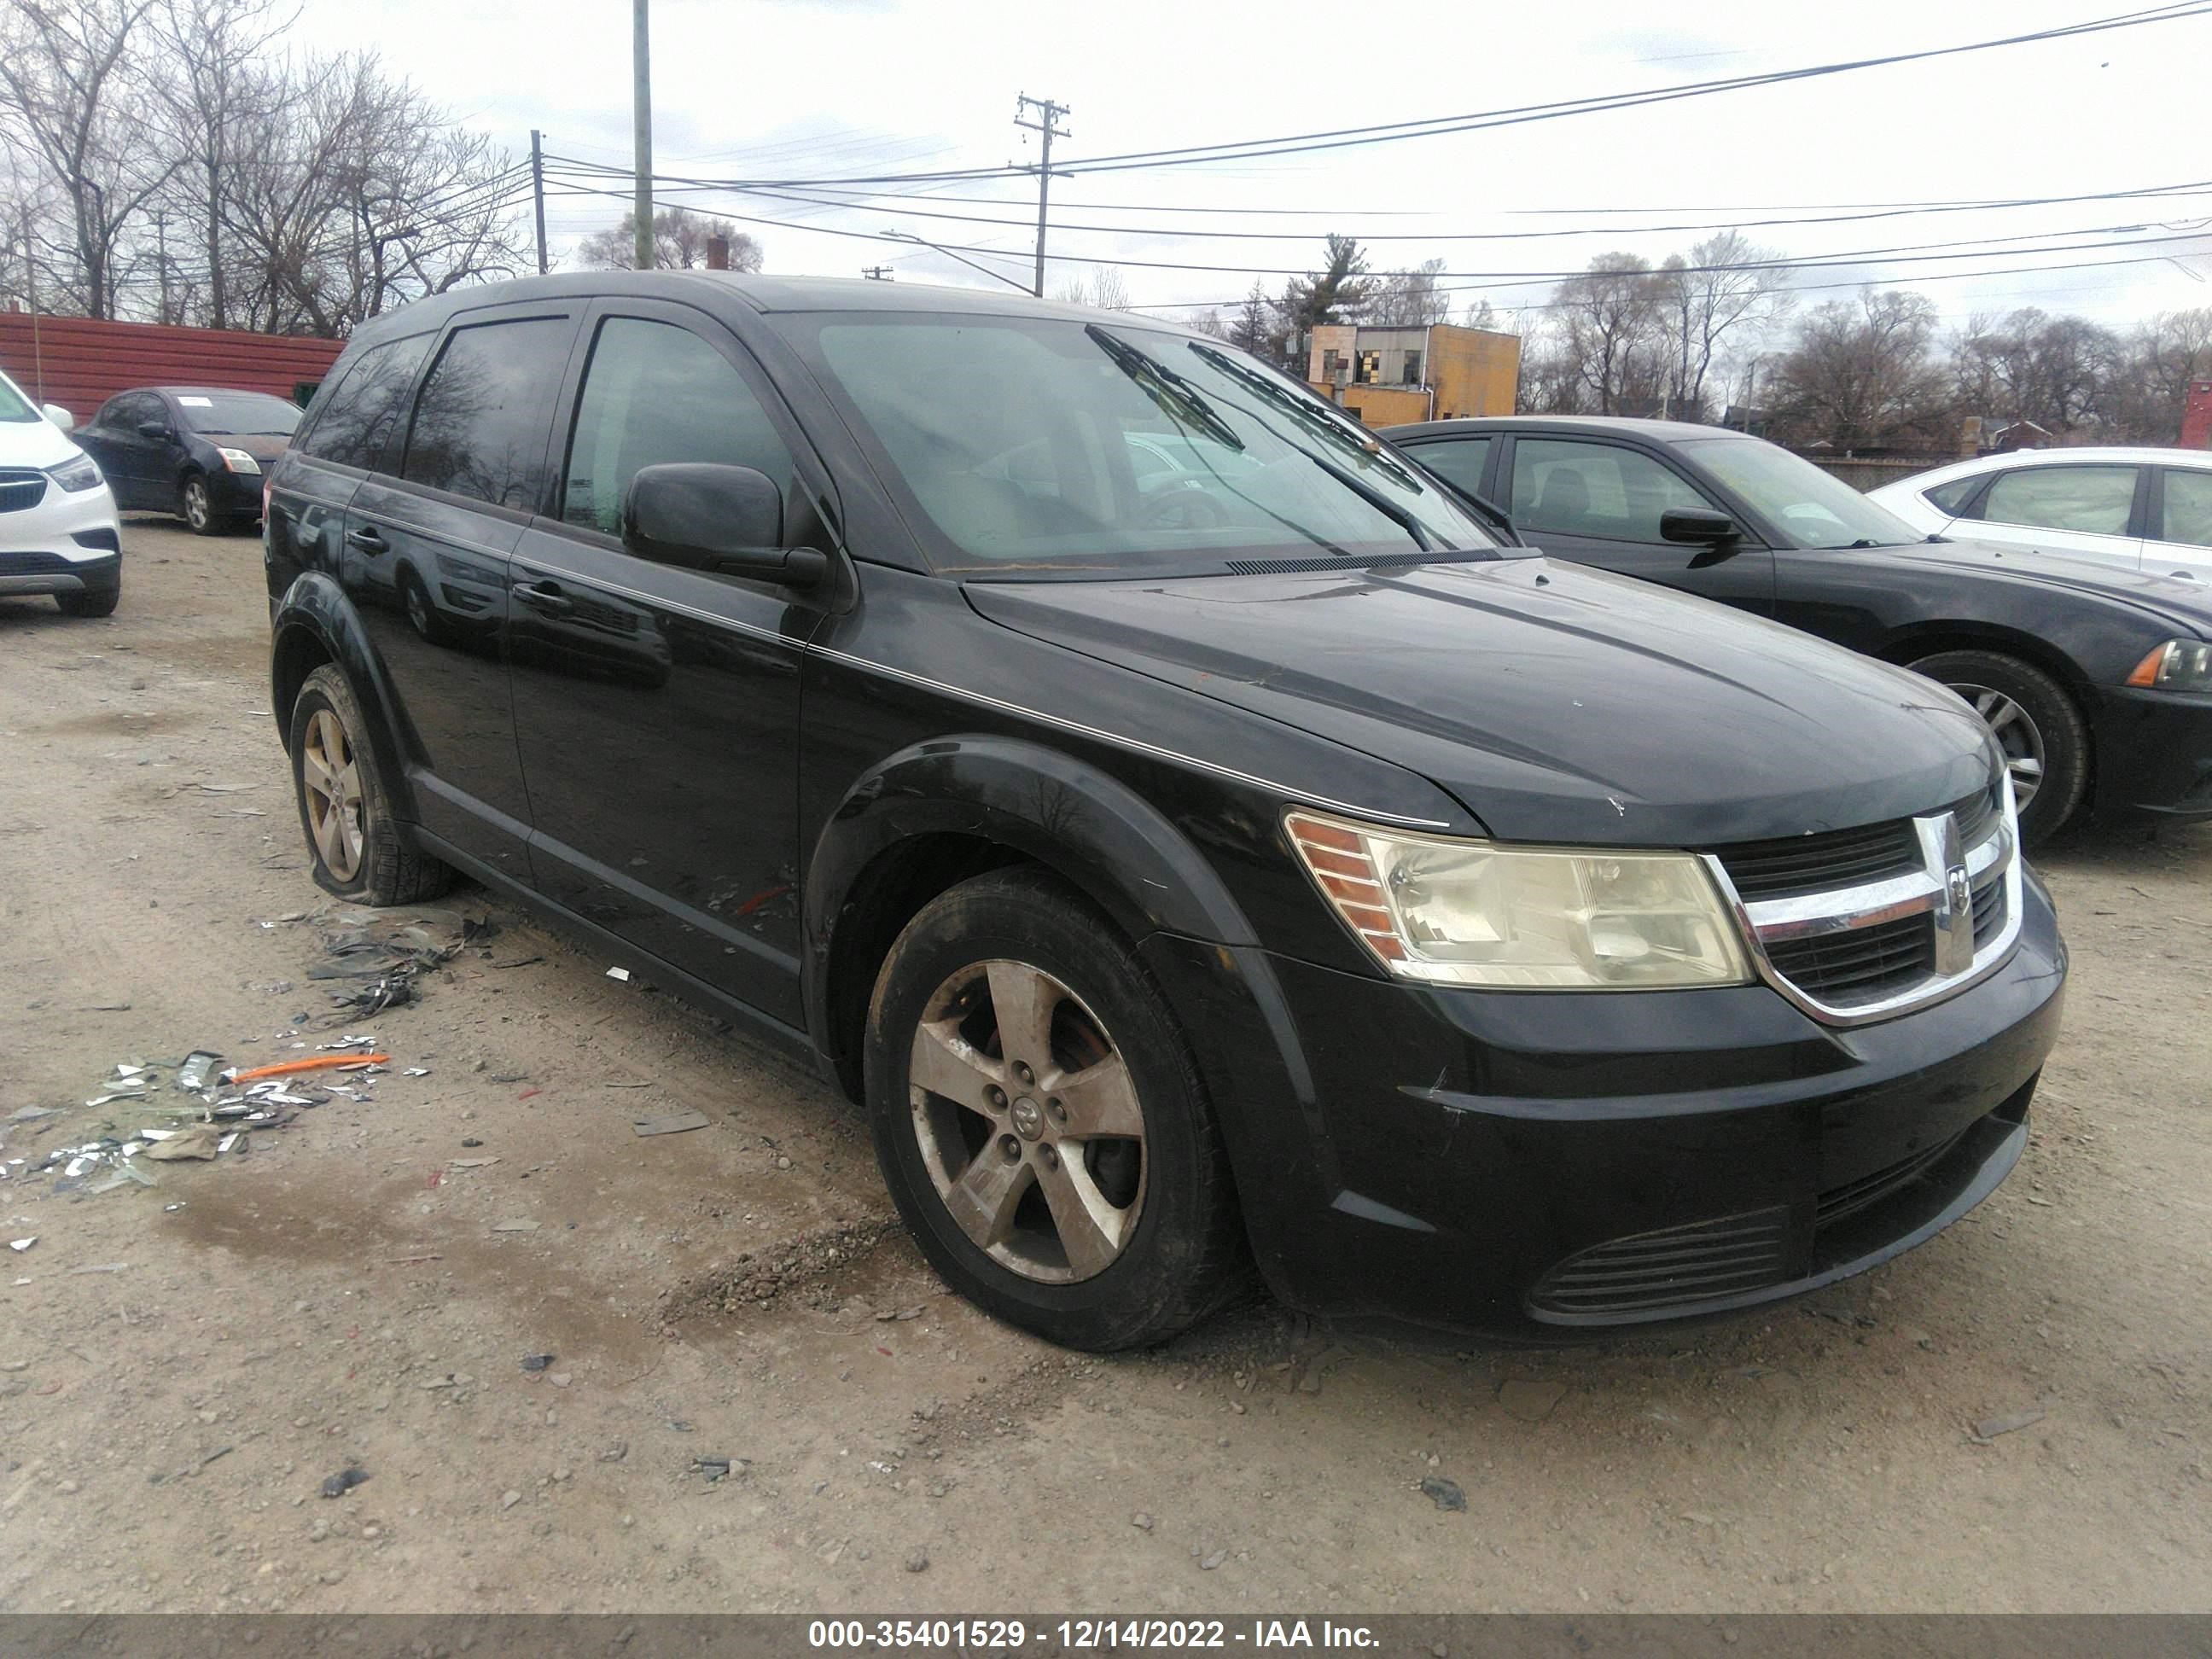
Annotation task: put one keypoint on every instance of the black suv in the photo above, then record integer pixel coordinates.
(1187, 830)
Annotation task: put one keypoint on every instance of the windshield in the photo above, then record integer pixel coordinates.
(240, 414)
(1050, 446)
(1809, 508)
(13, 405)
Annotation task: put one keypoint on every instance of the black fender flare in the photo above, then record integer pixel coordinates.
(1094, 830)
(316, 612)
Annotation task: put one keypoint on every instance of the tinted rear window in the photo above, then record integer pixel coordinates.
(367, 403)
(480, 424)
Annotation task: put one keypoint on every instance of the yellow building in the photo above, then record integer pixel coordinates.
(1388, 376)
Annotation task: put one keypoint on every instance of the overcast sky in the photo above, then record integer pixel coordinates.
(833, 88)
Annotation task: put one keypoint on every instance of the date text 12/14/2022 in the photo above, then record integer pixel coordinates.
(1066, 1635)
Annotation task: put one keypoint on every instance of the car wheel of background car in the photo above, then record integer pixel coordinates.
(92, 601)
(422, 616)
(1041, 1123)
(196, 509)
(2045, 741)
(360, 850)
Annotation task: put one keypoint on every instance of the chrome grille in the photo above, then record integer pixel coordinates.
(1859, 925)
(20, 487)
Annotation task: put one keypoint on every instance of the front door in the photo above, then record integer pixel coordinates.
(128, 460)
(1600, 503)
(426, 560)
(656, 708)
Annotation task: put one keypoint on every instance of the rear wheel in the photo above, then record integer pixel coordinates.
(2045, 739)
(360, 850)
(196, 507)
(1040, 1122)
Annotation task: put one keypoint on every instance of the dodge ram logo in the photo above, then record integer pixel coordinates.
(1960, 889)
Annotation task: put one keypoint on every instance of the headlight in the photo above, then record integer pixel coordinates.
(2178, 665)
(1474, 913)
(77, 473)
(239, 461)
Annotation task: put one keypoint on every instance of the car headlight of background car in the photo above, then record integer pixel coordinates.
(238, 460)
(76, 474)
(2177, 665)
(1456, 912)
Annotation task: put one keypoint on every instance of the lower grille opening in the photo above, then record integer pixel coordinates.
(1868, 1190)
(1648, 1272)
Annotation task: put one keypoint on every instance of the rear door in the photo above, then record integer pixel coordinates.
(656, 708)
(2078, 509)
(427, 539)
(1600, 502)
(2179, 542)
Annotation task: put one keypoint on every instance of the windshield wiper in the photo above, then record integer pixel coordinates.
(1315, 418)
(1175, 397)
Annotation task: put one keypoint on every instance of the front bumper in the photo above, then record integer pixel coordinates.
(1548, 1166)
(67, 542)
(238, 494)
(2154, 752)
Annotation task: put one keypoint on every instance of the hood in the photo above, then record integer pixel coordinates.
(1555, 703)
(34, 443)
(259, 444)
(2178, 599)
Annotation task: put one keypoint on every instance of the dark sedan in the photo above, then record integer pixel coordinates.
(2097, 683)
(198, 452)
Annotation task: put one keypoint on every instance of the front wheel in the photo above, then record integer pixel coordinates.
(91, 601)
(1040, 1122)
(2045, 739)
(196, 507)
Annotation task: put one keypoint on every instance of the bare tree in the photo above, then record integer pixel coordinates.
(1863, 373)
(1409, 299)
(1102, 289)
(1209, 321)
(72, 95)
(2061, 373)
(1609, 323)
(679, 243)
(1707, 299)
(213, 47)
(2162, 357)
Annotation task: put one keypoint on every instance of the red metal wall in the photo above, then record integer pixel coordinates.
(83, 363)
(2196, 417)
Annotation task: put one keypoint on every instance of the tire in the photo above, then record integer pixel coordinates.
(92, 601)
(1155, 1244)
(196, 507)
(360, 850)
(2045, 740)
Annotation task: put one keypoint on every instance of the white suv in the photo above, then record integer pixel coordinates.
(58, 529)
(2141, 509)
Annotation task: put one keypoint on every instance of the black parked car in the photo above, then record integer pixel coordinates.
(1172, 815)
(2097, 682)
(198, 452)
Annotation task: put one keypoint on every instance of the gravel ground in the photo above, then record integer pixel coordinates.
(183, 1367)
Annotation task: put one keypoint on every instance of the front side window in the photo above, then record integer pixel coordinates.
(653, 393)
(1572, 488)
(2090, 499)
(1807, 507)
(481, 420)
(1042, 447)
(365, 406)
(1456, 461)
(2188, 507)
(127, 411)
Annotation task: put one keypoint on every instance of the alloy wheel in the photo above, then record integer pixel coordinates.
(1028, 1122)
(2016, 734)
(331, 780)
(197, 507)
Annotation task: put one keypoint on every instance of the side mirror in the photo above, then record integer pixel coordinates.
(1700, 527)
(723, 521)
(153, 428)
(60, 416)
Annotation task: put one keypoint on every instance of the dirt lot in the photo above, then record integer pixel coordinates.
(182, 1367)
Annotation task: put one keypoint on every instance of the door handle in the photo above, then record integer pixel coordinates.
(544, 597)
(366, 540)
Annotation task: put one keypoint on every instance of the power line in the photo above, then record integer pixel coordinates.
(1435, 126)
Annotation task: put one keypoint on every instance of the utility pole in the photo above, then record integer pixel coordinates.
(537, 190)
(641, 113)
(876, 273)
(1047, 123)
(31, 290)
(161, 257)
